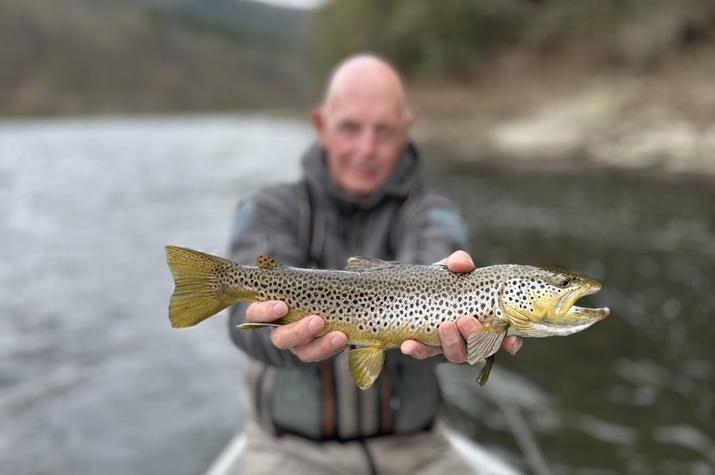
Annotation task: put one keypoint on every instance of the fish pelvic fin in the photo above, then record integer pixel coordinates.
(199, 292)
(486, 342)
(366, 365)
(486, 370)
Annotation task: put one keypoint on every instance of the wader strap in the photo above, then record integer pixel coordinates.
(404, 211)
(312, 228)
(327, 387)
(312, 235)
(386, 413)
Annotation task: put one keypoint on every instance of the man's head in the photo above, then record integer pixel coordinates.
(363, 124)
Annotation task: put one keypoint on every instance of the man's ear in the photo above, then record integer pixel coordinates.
(318, 120)
(408, 118)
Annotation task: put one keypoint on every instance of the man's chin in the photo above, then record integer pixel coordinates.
(361, 186)
(362, 190)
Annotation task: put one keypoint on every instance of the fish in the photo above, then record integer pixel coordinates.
(379, 304)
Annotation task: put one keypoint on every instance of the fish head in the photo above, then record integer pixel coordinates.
(547, 296)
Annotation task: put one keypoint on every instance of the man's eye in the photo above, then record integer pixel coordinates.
(349, 128)
(385, 133)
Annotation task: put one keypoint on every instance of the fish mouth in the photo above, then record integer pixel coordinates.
(583, 315)
(579, 316)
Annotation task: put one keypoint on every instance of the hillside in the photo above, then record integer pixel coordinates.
(72, 56)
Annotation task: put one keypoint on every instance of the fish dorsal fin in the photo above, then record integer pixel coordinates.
(266, 262)
(361, 264)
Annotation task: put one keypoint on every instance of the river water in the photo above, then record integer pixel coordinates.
(93, 379)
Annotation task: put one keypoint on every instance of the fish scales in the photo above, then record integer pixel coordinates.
(380, 304)
(392, 304)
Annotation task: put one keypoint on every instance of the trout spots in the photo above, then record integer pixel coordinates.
(399, 302)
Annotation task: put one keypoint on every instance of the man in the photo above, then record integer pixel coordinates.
(361, 194)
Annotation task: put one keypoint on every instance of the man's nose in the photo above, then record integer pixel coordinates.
(367, 141)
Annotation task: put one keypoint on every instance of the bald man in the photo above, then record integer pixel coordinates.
(361, 193)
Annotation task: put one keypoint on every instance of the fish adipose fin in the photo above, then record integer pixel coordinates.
(485, 342)
(198, 293)
(266, 262)
(365, 365)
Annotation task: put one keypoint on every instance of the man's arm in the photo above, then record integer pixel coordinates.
(266, 227)
(454, 335)
(266, 224)
(299, 337)
(432, 229)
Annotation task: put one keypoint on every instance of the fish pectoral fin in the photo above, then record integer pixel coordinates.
(255, 326)
(365, 365)
(485, 342)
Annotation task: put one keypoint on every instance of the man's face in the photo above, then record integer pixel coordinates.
(363, 140)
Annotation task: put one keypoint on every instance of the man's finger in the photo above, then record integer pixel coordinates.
(453, 346)
(512, 344)
(459, 261)
(297, 333)
(418, 350)
(321, 348)
(266, 312)
(468, 325)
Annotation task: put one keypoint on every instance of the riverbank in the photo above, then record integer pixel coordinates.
(563, 112)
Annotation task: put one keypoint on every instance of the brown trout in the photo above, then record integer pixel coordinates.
(379, 304)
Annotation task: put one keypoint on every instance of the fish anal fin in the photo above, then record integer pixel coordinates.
(361, 264)
(255, 326)
(293, 315)
(365, 365)
(486, 342)
(266, 262)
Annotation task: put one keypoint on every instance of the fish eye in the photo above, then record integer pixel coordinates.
(564, 282)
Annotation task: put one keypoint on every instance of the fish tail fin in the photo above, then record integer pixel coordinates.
(199, 292)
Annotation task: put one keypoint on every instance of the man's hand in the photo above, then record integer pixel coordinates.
(454, 335)
(298, 337)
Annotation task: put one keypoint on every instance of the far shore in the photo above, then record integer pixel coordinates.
(659, 122)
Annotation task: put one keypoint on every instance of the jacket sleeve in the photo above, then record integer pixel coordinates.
(265, 223)
(430, 229)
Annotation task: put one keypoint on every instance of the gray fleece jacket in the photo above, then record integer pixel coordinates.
(312, 223)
